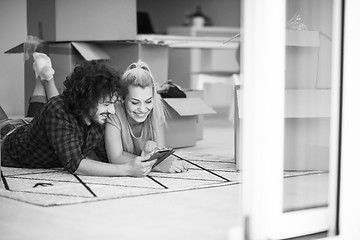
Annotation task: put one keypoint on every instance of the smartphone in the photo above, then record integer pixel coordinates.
(160, 155)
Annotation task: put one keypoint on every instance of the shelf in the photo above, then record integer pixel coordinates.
(301, 103)
(177, 41)
(307, 103)
(297, 38)
(203, 31)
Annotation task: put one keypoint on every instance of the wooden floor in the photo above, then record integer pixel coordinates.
(197, 214)
(209, 214)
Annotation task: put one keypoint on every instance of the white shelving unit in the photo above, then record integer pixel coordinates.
(307, 106)
(206, 52)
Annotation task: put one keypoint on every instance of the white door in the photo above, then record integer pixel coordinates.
(292, 68)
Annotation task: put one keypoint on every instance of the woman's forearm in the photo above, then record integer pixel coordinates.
(125, 157)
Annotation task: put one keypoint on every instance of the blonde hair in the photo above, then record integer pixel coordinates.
(139, 74)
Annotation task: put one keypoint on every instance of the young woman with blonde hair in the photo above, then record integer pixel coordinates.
(137, 127)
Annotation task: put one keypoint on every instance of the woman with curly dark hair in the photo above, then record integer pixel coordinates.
(68, 131)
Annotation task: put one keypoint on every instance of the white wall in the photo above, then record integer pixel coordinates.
(12, 31)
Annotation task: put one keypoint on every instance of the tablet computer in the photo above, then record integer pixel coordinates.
(160, 155)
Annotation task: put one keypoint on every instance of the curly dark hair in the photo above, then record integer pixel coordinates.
(89, 83)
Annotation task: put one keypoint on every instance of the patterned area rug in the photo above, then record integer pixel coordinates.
(54, 187)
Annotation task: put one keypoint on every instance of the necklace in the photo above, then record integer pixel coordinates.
(136, 129)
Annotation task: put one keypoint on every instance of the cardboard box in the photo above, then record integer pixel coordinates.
(183, 113)
(122, 54)
(190, 93)
(82, 20)
(119, 55)
(64, 56)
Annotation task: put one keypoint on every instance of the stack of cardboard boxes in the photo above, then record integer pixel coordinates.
(80, 30)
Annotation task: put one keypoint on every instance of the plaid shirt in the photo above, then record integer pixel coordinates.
(54, 138)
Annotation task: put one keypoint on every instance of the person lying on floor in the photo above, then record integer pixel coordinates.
(69, 128)
(137, 127)
(44, 89)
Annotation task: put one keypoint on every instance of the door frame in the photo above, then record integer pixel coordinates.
(263, 127)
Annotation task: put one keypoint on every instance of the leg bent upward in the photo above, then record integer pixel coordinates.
(45, 87)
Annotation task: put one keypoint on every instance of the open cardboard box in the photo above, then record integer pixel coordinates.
(183, 119)
(193, 93)
(65, 55)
